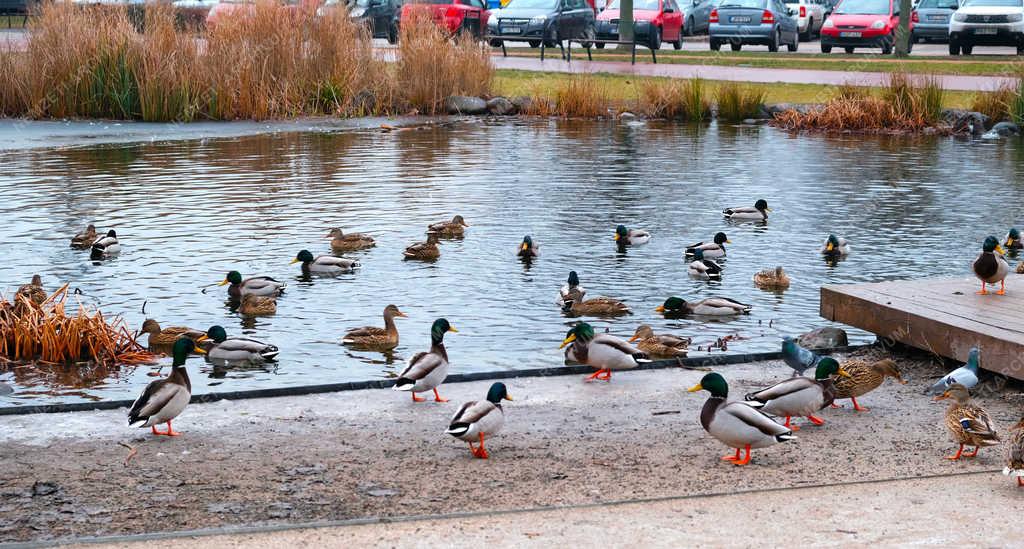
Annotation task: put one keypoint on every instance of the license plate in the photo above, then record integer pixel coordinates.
(941, 18)
(850, 34)
(739, 19)
(511, 30)
(986, 31)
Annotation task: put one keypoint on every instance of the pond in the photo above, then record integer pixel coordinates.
(189, 211)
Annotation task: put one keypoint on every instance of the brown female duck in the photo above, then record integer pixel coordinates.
(864, 377)
(968, 423)
(159, 337)
(427, 251)
(84, 239)
(33, 291)
(454, 228)
(659, 345)
(374, 338)
(257, 305)
(341, 242)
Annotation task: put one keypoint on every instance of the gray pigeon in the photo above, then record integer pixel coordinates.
(966, 375)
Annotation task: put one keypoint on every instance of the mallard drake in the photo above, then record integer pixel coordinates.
(759, 212)
(257, 305)
(424, 251)
(84, 239)
(966, 375)
(1012, 241)
(454, 228)
(990, 267)
(798, 358)
(571, 289)
(105, 246)
(631, 237)
(372, 337)
(427, 371)
(257, 285)
(165, 399)
(711, 250)
(712, 306)
(800, 396)
(163, 337)
(968, 423)
(659, 345)
(737, 424)
(528, 249)
(479, 418)
(704, 268)
(324, 264)
(835, 246)
(598, 306)
(33, 291)
(1015, 453)
(238, 349)
(603, 352)
(865, 377)
(341, 242)
(772, 279)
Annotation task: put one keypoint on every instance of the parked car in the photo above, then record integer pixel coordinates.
(863, 24)
(547, 20)
(933, 24)
(377, 15)
(654, 21)
(810, 16)
(764, 22)
(193, 12)
(224, 7)
(696, 15)
(468, 17)
(987, 23)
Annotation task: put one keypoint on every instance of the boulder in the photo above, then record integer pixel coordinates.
(464, 104)
(500, 106)
(824, 338)
(1005, 129)
(771, 109)
(964, 121)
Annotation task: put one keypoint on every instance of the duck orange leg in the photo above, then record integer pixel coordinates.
(730, 457)
(746, 457)
(834, 405)
(858, 407)
(1020, 481)
(416, 398)
(153, 429)
(791, 427)
(959, 453)
(816, 420)
(1002, 287)
(172, 433)
(607, 375)
(480, 452)
(974, 453)
(437, 397)
(598, 375)
(983, 290)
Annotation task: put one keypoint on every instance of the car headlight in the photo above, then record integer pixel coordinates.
(492, 22)
(539, 20)
(880, 24)
(358, 12)
(828, 24)
(960, 17)
(1014, 18)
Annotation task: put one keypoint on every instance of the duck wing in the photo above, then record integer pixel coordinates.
(740, 209)
(156, 395)
(755, 418)
(609, 351)
(726, 302)
(781, 389)
(689, 250)
(332, 261)
(366, 331)
(976, 421)
(262, 285)
(673, 341)
(420, 366)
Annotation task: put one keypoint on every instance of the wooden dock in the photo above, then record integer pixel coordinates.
(943, 316)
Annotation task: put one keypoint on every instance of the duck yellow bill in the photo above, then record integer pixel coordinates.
(767, 209)
(843, 373)
(199, 351)
(568, 340)
(294, 261)
(450, 328)
(695, 388)
(727, 241)
(223, 282)
(524, 246)
(659, 309)
(828, 247)
(616, 236)
(1000, 250)
(508, 396)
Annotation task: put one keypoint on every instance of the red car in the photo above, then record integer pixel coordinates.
(455, 16)
(654, 22)
(863, 24)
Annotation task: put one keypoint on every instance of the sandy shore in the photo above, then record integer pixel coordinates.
(368, 454)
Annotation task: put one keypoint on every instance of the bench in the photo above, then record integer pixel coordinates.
(10, 9)
(566, 48)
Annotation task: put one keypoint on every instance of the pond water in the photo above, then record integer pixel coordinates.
(189, 211)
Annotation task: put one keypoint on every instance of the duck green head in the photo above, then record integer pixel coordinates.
(1013, 236)
(527, 243)
(583, 332)
(762, 205)
(621, 232)
(497, 393)
(217, 333)
(574, 279)
(831, 243)
(991, 244)
(182, 348)
(720, 239)
(439, 328)
(234, 277)
(828, 367)
(673, 304)
(304, 256)
(713, 383)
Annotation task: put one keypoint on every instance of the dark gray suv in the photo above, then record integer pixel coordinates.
(543, 20)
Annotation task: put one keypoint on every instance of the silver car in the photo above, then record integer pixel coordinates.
(764, 22)
(933, 20)
(810, 15)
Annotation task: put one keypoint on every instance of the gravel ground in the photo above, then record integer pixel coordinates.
(375, 454)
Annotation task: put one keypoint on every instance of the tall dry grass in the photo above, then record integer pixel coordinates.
(675, 99)
(582, 96)
(737, 102)
(1015, 109)
(995, 104)
(916, 99)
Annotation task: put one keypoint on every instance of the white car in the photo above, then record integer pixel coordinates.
(987, 23)
(809, 15)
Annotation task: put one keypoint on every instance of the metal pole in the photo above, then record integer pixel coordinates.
(625, 21)
(903, 30)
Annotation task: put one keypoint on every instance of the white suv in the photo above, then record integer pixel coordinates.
(987, 23)
(809, 14)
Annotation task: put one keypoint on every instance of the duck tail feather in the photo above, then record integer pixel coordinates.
(403, 384)
(457, 429)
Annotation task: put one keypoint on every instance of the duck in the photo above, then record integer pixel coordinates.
(1012, 241)
(598, 306)
(704, 268)
(454, 228)
(865, 377)
(990, 267)
(424, 251)
(835, 246)
(105, 246)
(800, 396)
(797, 357)
(257, 285)
(968, 423)
(163, 337)
(84, 239)
(33, 291)
(528, 250)
(571, 289)
(257, 305)
(477, 419)
(631, 237)
(711, 250)
(341, 242)
(1015, 453)
(759, 212)
(712, 306)
(737, 424)
(372, 337)
(659, 345)
(603, 352)
(163, 400)
(966, 375)
(771, 279)
(238, 349)
(426, 371)
(324, 264)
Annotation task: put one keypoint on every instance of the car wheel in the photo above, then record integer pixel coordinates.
(687, 28)
(806, 36)
(826, 49)
(887, 44)
(773, 46)
(954, 48)
(715, 45)
(534, 43)
(794, 46)
(1020, 50)
(599, 45)
(495, 43)
(678, 44)
(848, 49)
(588, 37)
(393, 35)
(735, 46)
(655, 43)
(968, 50)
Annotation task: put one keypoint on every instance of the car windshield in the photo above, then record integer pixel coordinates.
(532, 4)
(637, 5)
(742, 4)
(998, 3)
(939, 4)
(864, 7)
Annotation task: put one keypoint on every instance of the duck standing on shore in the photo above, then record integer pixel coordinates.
(631, 237)
(478, 419)
(864, 377)
(602, 352)
(968, 423)
(374, 338)
(165, 399)
(990, 267)
(1015, 453)
(800, 396)
(427, 371)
